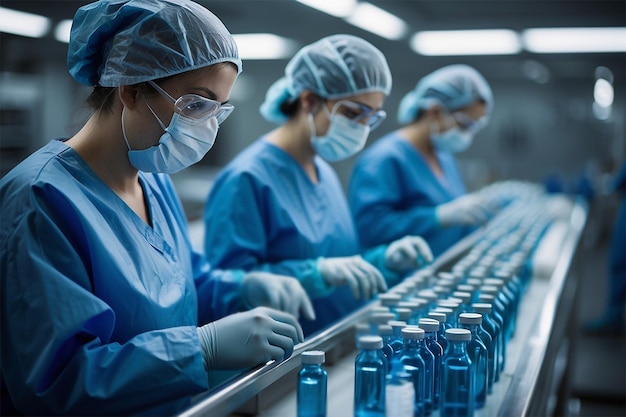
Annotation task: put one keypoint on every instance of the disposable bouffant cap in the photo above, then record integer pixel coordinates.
(452, 87)
(124, 42)
(334, 67)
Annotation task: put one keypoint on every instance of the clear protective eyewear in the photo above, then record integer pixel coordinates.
(468, 123)
(196, 107)
(359, 112)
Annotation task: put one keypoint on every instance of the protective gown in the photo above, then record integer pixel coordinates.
(99, 310)
(264, 213)
(393, 192)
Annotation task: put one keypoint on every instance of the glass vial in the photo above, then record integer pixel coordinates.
(312, 385)
(369, 378)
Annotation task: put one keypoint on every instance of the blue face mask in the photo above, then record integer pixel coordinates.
(184, 143)
(343, 139)
(452, 140)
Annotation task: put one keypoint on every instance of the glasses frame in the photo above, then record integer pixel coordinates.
(218, 110)
(372, 117)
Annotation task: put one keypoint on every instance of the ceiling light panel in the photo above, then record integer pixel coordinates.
(23, 24)
(466, 42)
(378, 21)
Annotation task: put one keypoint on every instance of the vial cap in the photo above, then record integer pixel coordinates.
(381, 318)
(409, 304)
(313, 357)
(466, 288)
(429, 295)
(370, 342)
(389, 297)
(362, 328)
(463, 335)
(448, 304)
(482, 308)
(429, 325)
(489, 289)
(397, 324)
(446, 275)
(486, 297)
(462, 295)
(439, 316)
(379, 309)
(412, 332)
(470, 318)
(475, 282)
(384, 330)
(404, 313)
(496, 282)
(446, 311)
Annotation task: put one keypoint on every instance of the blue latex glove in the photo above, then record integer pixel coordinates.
(467, 210)
(276, 291)
(407, 253)
(247, 339)
(364, 279)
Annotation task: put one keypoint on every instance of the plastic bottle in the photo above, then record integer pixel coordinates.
(479, 355)
(312, 383)
(431, 329)
(457, 383)
(490, 327)
(399, 391)
(414, 365)
(369, 378)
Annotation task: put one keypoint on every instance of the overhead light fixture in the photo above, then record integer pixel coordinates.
(378, 21)
(466, 42)
(572, 40)
(62, 31)
(337, 8)
(264, 46)
(23, 24)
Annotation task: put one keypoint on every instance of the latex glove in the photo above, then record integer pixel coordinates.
(247, 339)
(407, 253)
(364, 279)
(276, 291)
(468, 210)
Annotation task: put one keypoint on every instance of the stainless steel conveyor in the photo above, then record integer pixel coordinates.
(534, 382)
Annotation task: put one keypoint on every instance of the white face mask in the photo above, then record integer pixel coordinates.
(184, 143)
(343, 139)
(452, 140)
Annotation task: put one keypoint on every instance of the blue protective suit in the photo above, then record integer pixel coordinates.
(393, 193)
(264, 213)
(99, 310)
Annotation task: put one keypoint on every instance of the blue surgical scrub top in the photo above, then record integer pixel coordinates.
(264, 213)
(393, 192)
(99, 309)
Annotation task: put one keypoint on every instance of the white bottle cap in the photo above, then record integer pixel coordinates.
(413, 332)
(482, 308)
(440, 316)
(429, 325)
(458, 334)
(313, 357)
(470, 318)
(370, 342)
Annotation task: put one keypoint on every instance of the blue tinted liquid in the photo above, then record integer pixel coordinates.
(312, 383)
(369, 390)
(456, 391)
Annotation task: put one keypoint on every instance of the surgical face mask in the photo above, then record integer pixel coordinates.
(343, 139)
(452, 140)
(184, 143)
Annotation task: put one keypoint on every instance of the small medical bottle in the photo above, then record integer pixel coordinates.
(478, 353)
(370, 369)
(490, 327)
(429, 375)
(499, 322)
(386, 332)
(380, 318)
(399, 391)
(431, 329)
(441, 317)
(396, 342)
(457, 383)
(414, 365)
(312, 382)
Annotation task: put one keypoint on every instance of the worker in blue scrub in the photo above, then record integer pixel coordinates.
(407, 182)
(105, 307)
(280, 204)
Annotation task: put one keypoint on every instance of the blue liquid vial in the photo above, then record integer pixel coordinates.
(457, 383)
(312, 385)
(370, 370)
(414, 364)
(477, 352)
(386, 332)
(399, 391)
(396, 338)
(442, 318)
(492, 351)
(431, 329)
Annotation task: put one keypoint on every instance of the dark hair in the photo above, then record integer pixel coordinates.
(290, 107)
(101, 99)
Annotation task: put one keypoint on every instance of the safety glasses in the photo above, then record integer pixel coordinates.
(359, 112)
(467, 123)
(196, 107)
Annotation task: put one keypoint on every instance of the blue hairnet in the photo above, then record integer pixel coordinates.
(123, 42)
(452, 87)
(334, 67)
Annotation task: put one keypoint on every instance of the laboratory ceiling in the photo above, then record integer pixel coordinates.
(303, 24)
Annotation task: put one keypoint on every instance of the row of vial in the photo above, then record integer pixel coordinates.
(438, 341)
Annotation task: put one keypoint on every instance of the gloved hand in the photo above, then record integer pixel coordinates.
(364, 279)
(247, 339)
(407, 253)
(276, 291)
(467, 210)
